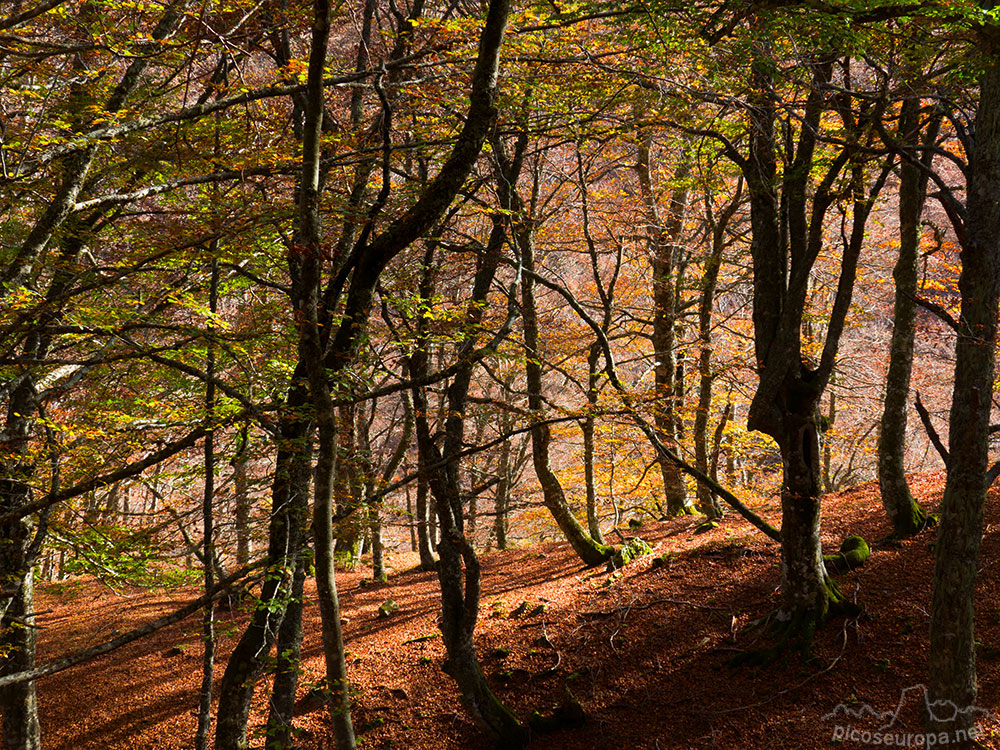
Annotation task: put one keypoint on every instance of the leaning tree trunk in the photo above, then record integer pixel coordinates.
(288, 647)
(952, 652)
(904, 511)
(589, 550)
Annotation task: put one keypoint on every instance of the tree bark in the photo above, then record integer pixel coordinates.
(589, 550)
(663, 238)
(458, 567)
(903, 510)
(279, 733)
(952, 652)
(286, 533)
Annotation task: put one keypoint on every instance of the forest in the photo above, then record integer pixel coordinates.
(449, 297)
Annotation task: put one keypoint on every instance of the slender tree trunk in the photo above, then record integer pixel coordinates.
(241, 497)
(904, 512)
(279, 733)
(410, 513)
(593, 519)
(424, 531)
(208, 531)
(952, 653)
(502, 498)
(287, 525)
(709, 504)
(589, 550)
(663, 240)
(339, 699)
(348, 491)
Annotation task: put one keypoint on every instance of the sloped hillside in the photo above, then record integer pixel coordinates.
(645, 652)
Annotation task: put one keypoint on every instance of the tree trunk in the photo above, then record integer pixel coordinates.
(458, 567)
(21, 730)
(287, 525)
(502, 497)
(424, 543)
(241, 497)
(708, 503)
(18, 703)
(952, 653)
(279, 731)
(589, 550)
(904, 512)
(663, 240)
(208, 531)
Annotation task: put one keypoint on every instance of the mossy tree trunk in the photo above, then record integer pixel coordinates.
(788, 208)
(904, 512)
(590, 551)
(952, 651)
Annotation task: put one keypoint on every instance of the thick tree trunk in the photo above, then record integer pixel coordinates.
(904, 512)
(18, 548)
(806, 593)
(21, 730)
(952, 653)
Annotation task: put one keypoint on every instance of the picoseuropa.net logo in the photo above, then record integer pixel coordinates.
(902, 726)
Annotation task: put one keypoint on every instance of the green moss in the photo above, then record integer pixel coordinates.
(632, 550)
(854, 553)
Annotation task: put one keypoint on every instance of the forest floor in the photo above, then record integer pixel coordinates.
(645, 652)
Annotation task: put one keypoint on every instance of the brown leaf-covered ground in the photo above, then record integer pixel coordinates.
(646, 653)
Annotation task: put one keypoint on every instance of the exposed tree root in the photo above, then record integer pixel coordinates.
(796, 632)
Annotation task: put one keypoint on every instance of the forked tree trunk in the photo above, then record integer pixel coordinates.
(458, 567)
(279, 734)
(287, 527)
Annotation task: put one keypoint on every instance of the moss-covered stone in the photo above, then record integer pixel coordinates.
(854, 553)
(632, 550)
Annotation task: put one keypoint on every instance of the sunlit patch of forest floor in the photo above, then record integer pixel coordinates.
(645, 652)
